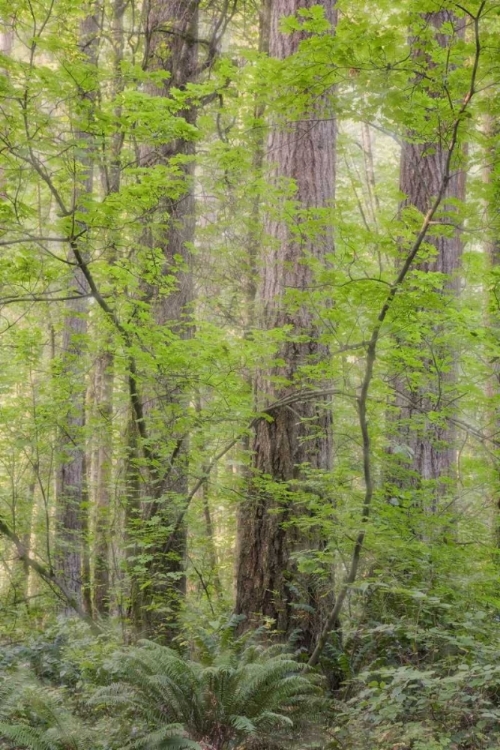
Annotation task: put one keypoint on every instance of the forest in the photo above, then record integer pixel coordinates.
(250, 374)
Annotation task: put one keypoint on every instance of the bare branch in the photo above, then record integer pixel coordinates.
(49, 577)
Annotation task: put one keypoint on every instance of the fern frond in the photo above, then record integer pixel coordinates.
(36, 716)
(243, 724)
(238, 696)
(26, 736)
(170, 737)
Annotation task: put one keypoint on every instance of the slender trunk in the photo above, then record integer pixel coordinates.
(132, 491)
(490, 176)
(373, 199)
(102, 456)
(70, 483)
(268, 584)
(20, 570)
(101, 480)
(6, 39)
(255, 239)
(255, 233)
(210, 537)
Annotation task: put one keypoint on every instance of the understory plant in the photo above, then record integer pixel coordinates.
(40, 717)
(260, 695)
(431, 685)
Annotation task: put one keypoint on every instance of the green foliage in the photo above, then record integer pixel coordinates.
(38, 717)
(67, 690)
(419, 673)
(258, 694)
(444, 692)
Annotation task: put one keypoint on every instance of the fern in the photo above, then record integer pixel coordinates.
(35, 717)
(249, 695)
(25, 736)
(171, 737)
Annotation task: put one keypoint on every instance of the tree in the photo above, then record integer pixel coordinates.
(291, 440)
(425, 439)
(102, 388)
(71, 554)
(201, 375)
(171, 30)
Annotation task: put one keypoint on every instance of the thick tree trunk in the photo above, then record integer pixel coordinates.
(103, 385)
(171, 29)
(268, 585)
(428, 445)
(71, 486)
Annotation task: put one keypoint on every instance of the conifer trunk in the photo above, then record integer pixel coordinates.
(428, 445)
(103, 386)
(491, 178)
(171, 30)
(268, 584)
(71, 558)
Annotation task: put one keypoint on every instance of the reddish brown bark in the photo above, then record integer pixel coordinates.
(268, 585)
(429, 445)
(71, 556)
(171, 28)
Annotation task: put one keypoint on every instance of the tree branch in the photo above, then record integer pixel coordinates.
(300, 395)
(49, 577)
(135, 398)
(371, 357)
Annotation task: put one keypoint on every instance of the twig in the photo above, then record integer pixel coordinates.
(49, 577)
(371, 357)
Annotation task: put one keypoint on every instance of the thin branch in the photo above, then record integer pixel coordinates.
(371, 357)
(35, 298)
(135, 398)
(205, 476)
(30, 238)
(49, 577)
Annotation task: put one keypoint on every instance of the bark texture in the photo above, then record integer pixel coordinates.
(71, 486)
(101, 474)
(491, 177)
(268, 584)
(429, 444)
(171, 28)
(106, 547)
(259, 143)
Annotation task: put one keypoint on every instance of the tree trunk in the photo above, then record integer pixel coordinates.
(70, 483)
(171, 46)
(101, 464)
(268, 584)
(210, 541)
(102, 450)
(424, 448)
(71, 486)
(255, 233)
(491, 178)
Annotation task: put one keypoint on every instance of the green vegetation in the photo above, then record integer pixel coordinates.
(249, 374)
